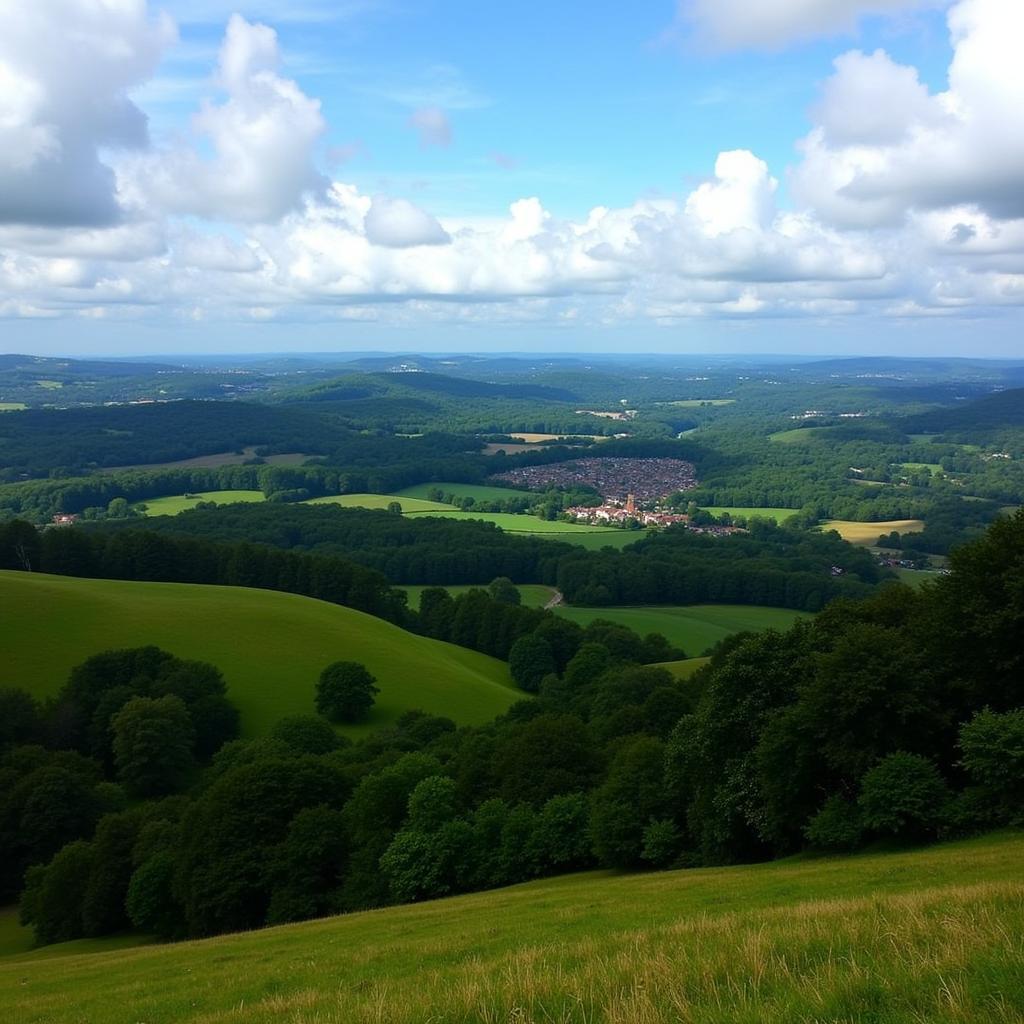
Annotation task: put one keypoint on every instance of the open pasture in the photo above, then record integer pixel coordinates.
(683, 669)
(270, 646)
(868, 533)
(892, 938)
(12, 406)
(175, 503)
(694, 628)
(380, 501)
(592, 537)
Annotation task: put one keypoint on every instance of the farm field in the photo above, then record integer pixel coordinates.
(175, 503)
(12, 406)
(528, 438)
(380, 501)
(270, 646)
(478, 492)
(533, 595)
(920, 467)
(591, 537)
(694, 628)
(868, 533)
(919, 935)
(779, 515)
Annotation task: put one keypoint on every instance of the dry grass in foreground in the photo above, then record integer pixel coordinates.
(934, 935)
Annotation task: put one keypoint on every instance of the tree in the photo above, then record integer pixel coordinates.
(20, 721)
(307, 734)
(903, 796)
(504, 591)
(530, 660)
(395, 507)
(153, 745)
(345, 692)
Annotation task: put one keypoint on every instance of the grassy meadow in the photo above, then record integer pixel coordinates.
(380, 501)
(175, 503)
(270, 646)
(696, 403)
(868, 533)
(798, 435)
(891, 938)
(533, 595)
(685, 668)
(694, 628)
(592, 537)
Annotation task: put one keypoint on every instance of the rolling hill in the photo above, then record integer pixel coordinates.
(891, 938)
(270, 646)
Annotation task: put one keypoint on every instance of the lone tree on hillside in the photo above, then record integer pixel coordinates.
(345, 692)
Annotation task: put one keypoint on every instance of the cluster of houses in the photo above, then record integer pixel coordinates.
(615, 514)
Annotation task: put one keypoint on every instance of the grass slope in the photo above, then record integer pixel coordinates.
(928, 935)
(534, 595)
(868, 533)
(270, 646)
(685, 668)
(694, 628)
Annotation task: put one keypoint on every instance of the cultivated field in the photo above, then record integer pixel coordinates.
(270, 646)
(891, 938)
(694, 628)
(868, 533)
(780, 515)
(175, 503)
(380, 501)
(12, 406)
(533, 595)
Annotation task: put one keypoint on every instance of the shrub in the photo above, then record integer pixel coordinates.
(903, 796)
(837, 826)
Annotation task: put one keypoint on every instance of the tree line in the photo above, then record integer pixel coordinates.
(898, 718)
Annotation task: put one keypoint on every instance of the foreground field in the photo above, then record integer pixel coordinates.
(270, 646)
(928, 935)
(868, 533)
(694, 628)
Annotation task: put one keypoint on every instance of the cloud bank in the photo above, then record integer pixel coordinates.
(905, 202)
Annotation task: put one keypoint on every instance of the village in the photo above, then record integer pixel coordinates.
(626, 514)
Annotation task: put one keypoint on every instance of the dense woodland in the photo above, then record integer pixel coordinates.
(897, 717)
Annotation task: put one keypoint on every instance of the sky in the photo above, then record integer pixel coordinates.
(801, 176)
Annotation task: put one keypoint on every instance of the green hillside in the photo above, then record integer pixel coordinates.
(926, 935)
(270, 646)
(695, 627)
(532, 595)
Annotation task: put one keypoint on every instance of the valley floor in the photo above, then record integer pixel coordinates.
(935, 934)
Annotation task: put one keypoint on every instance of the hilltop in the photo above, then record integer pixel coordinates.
(270, 646)
(912, 936)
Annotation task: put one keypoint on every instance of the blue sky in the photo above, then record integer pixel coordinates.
(825, 176)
